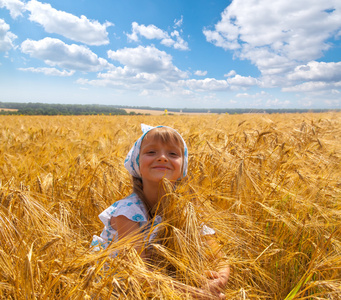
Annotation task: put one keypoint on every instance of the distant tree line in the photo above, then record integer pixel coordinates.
(232, 110)
(59, 109)
(96, 109)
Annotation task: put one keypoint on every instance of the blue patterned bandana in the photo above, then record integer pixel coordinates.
(132, 160)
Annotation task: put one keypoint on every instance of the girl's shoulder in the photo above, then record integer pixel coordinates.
(132, 199)
(131, 207)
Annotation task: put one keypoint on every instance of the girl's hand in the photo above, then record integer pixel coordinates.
(217, 282)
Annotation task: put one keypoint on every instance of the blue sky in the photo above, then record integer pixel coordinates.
(172, 53)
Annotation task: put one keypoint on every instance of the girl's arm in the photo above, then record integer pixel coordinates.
(126, 228)
(217, 279)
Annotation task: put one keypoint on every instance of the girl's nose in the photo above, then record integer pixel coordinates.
(162, 157)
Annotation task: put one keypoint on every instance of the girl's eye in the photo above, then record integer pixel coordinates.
(174, 154)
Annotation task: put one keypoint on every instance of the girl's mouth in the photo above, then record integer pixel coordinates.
(161, 168)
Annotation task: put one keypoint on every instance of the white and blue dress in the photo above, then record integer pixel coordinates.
(132, 208)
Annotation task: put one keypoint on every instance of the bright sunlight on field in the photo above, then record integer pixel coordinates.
(270, 186)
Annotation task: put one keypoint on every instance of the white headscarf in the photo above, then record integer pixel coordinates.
(132, 160)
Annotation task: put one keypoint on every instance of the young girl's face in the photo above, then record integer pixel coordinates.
(159, 160)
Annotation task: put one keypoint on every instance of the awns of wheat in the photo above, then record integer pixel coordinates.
(269, 185)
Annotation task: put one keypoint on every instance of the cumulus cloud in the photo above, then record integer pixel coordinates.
(230, 74)
(315, 76)
(15, 7)
(78, 29)
(143, 68)
(54, 52)
(200, 73)
(242, 81)
(48, 71)
(152, 32)
(148, 68)
(310, 86)
(6, 37)
(148, 60)
(207, 84)
(276, 36)
(126, 78)
(317, 71)
(149, 32)
(180, 43)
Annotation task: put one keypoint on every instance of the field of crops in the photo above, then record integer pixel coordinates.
(270, 186)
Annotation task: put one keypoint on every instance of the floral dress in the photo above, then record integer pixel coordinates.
(132, 208)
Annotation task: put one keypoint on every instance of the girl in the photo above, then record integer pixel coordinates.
(159, 153)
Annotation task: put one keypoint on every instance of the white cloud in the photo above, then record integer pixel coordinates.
(317, 71)
(48, 71)
(6, 37)
(207, 84)
(200, 73)
(230, 74)
(151, 32)
(131, 80)
(168, 42)
(15, 7)
(148, 60)
(178, 23)
(277, 103)
(243, 95)
(261, 99)
(126, 78)
(180, 43)
(143, 68)
(70, 26)
(243, 81)
(310, 86)
(148, 68)
(262, 94)
(54, 52)
(322, 98)
(333, 102)
(277, 36)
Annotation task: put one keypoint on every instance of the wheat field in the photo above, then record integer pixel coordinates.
(270, 186)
